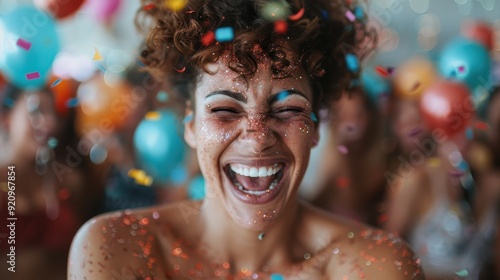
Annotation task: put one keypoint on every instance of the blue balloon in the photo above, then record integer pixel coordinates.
(374, 85)
(196, 189)
(159, 145)
(28, 45)
(466, 61)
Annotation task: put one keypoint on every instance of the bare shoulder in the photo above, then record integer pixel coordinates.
(127, 244)
(360, 252)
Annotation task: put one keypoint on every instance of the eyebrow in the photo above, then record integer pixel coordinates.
(284, 94)
(235, 95)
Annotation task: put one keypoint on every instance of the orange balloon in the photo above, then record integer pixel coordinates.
(64, 90)
(102, 106)
(481, 32)
(413, 77)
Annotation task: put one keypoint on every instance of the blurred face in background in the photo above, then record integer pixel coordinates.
(408, 125)
(31, 122)
(351, 118)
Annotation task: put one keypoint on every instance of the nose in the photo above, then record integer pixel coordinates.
(257, 134)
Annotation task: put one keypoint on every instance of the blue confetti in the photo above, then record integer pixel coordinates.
(281, 95)
(276, 276)
(324, 13)
(162, 96)
(52, 142)
(140, 63)
(359, 13)
(55, 83)
(187, 119)
(101, 67)
(469, 133)
(73, 102)
(352, 62)
(313, 117)
(224, 34)
(462, 273)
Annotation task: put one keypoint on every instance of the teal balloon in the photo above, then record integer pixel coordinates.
(196, 188)
(159, 145)
(374, 85)
(28, 45)
(466, 61)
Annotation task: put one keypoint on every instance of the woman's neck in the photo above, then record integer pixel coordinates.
(245, 249)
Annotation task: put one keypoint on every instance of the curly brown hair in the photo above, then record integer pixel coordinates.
(322, 36)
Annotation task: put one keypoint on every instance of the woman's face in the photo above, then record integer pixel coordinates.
(253, 139)
(408, 124)
(351, 119)
(32, 122)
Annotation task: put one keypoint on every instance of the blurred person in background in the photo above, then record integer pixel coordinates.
(350, 172)
(51, 188)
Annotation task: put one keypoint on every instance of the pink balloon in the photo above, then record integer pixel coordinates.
(103, 10)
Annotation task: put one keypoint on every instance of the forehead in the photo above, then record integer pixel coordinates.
(282, 68)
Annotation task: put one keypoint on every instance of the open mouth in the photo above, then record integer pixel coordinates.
(255, 184)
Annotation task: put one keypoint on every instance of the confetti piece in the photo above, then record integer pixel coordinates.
(149, 7)
(33, 76)
(162, 96)
(182, 70)
(55, 83)
(276, 276)
(350, 16)
(64, 194)
(152, 116)
(97, 55)
(187, 119)
(461, 69)
(391, 70)
(208, 38)
(481, 125)
(469, 133)
(352, 62)
(343, 149)
(175, 5)
(280, 26)
(324, 13)
(434, 162)
(101, 68)
(23, 44)
(146, 181)
(133, 173)
(297, 16)
(140, 63)
(313, 117)
(52, 142)
(73, 102)
(382, 71)
(359, 13)
(224, 34)
(462, 273)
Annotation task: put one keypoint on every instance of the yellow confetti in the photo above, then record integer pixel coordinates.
(175, 5)
(97, 55)
(152, 116)
(434, 162)
(145, 181)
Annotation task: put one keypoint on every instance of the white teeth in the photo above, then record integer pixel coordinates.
(254, 172)
(263, 171)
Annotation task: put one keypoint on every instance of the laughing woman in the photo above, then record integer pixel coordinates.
(254, 92)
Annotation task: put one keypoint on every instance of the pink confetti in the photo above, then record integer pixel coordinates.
(343, 149)
(350, 16)
(23, 44)
(33, 76)
(461, 69)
